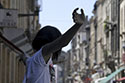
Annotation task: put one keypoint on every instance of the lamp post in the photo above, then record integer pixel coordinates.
(111, 23)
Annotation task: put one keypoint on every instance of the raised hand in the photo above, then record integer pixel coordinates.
(78, 18)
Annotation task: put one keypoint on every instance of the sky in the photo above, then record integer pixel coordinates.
(58, 13)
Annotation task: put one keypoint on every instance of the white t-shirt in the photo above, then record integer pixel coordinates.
(37, 71)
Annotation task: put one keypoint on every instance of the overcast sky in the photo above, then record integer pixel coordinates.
(58, 13)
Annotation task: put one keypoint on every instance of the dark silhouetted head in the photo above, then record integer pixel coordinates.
(45, 35)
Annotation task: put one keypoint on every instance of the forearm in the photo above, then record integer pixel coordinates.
(64, 39)
(68, 35)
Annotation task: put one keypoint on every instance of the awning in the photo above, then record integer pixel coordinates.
(123, 78)
(112, 75)
(18, 38)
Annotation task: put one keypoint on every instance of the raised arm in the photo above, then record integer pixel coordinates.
(63, 40)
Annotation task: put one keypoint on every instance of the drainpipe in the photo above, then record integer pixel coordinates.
(118, 29)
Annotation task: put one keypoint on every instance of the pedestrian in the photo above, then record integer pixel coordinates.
(47, 45)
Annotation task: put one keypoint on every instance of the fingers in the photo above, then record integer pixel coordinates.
(82, 12)
(75, 11)
(78, 18)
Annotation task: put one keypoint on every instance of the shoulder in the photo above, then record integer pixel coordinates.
(37, 58)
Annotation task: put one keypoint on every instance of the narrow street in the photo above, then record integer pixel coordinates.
(97, 51)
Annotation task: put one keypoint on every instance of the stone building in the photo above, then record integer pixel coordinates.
(19, 21)
(122, 35)
(106, 44)
(122, 28)
(106, 39)
(100, 39)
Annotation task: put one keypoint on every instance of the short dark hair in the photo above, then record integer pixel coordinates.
(45, 35)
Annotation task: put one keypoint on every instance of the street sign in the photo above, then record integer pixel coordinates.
(8, 17)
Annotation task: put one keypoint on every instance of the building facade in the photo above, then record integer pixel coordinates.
(122, 29)
(106, 42)
(122, 35)
(79, 54)
(107, 38)
(19, 22)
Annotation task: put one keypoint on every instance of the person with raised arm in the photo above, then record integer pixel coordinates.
(47, 45)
